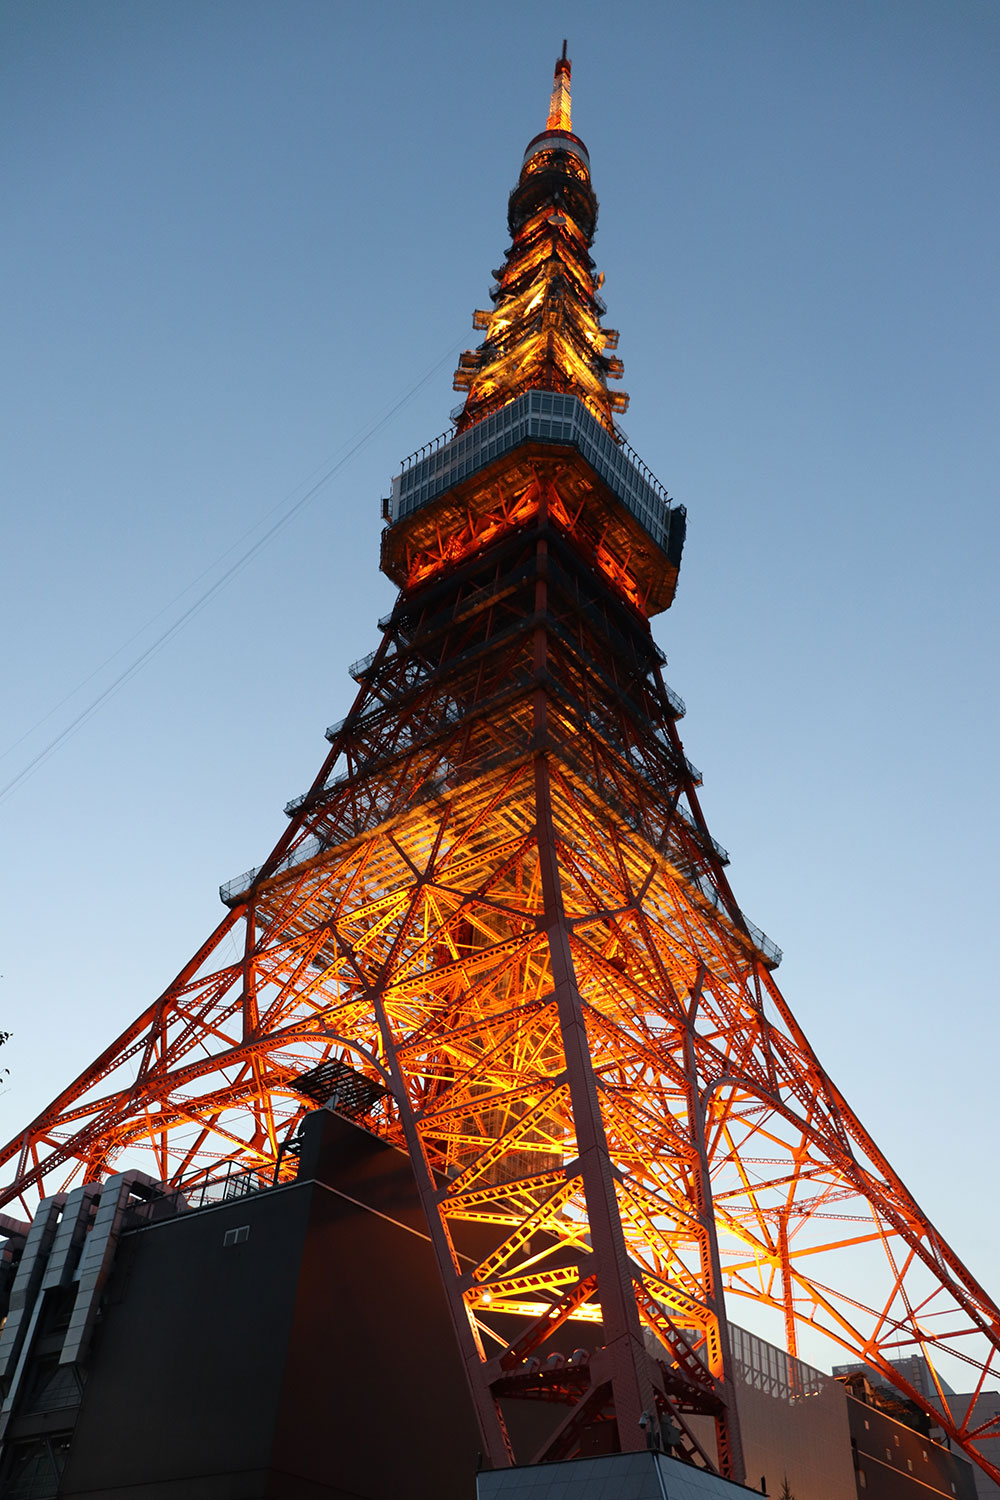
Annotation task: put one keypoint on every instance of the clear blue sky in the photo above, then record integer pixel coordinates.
(236, 233)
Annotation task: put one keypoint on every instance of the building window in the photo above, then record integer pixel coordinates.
(895, 1438)
(909, 1464)
(867, 1424)
(888, 1454)
(862, 1480)
(236, 1236)
(925, 1454)
(32, 1469)
(50, 1386)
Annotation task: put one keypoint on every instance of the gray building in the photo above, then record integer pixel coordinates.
(915, 1369)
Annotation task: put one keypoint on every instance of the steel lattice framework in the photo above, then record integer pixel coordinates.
(499, 905)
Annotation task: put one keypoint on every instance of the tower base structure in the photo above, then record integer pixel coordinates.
(289, 1343)
(292, 1342)
(612, 1476)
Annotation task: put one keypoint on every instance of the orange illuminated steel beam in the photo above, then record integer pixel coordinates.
(559, 107)
(515, 490)
(544, 330)
(499, 909)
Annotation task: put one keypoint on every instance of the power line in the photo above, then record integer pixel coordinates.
(236, 567)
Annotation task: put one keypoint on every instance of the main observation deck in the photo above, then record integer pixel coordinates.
(541, 416)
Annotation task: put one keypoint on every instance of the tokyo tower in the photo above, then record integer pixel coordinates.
(497, 931)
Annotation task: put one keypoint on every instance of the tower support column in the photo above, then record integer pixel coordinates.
(720, 1352)
(632, 1387)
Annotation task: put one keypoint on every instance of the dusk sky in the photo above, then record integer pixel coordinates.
(241, 238)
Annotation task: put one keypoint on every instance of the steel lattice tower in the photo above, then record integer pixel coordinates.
(498, 930)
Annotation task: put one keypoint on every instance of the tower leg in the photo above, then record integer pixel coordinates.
(720, 1354)
(496, 1443)
(631, 1383)
(791, 1340)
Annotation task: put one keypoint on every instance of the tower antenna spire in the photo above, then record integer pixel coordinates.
(560, 103)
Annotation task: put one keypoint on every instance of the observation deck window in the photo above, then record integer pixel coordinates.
(536, 415)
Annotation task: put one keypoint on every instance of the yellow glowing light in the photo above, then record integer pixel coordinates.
(545, 329)
(559, 107)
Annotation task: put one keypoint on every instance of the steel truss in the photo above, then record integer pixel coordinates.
(500, 904)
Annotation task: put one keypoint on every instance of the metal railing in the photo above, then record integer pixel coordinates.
(676, 701)
(358, 668)
(721, 854)
(766, 1368)
(298, 855)
(535, 415)
(231, 1184)
(760, 940)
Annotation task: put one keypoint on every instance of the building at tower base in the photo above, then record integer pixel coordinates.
(293, 1343)
(287, 1344)
(870, 1392)
(612, 1476)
